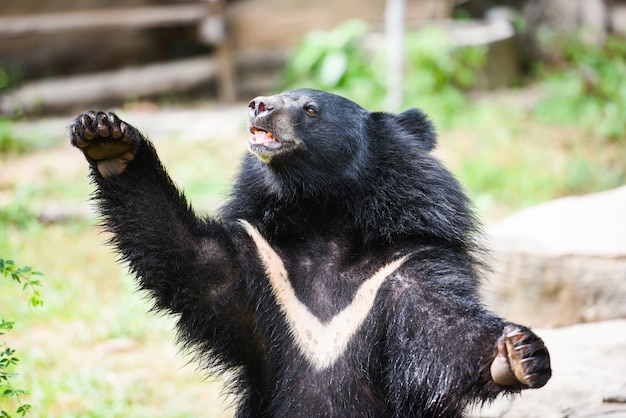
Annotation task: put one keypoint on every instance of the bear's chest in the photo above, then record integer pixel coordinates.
(325, 282)
(324, 290)
(324, 273)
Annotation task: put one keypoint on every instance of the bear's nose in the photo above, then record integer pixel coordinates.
(260, 106)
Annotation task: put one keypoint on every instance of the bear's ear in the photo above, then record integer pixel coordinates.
(416, 123)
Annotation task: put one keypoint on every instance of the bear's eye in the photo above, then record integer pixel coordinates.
(310, 110)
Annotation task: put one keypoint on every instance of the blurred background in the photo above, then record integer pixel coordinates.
(529, 98)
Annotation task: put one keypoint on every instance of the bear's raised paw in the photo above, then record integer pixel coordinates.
(522, 359)
(107, 142)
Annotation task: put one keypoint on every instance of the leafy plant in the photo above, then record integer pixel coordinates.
(336, 61)
(587, 87)
(8, 142)
(439, 73)
(27, 277)
(348, 62)
(5, 79)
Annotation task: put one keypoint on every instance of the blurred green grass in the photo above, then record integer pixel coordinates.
(508, 159)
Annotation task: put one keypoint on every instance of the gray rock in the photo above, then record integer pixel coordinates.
(561, 263)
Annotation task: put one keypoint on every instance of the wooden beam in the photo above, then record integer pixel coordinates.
(136, 18)
(111, 85)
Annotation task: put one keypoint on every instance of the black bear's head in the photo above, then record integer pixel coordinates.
(319, 150)
(305, 129)
(318, 131)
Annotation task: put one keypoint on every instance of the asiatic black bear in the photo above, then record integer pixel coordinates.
(341, 278)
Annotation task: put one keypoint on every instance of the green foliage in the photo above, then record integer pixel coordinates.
(439, 73)
(23, 276)
(10, 78)
(587, 91)
(336, 61)
(11, 143)
(27, 277)
(17, 212)
(4, 79)
(507, 160)
(339, 61)
(588, 88)
(8, 141)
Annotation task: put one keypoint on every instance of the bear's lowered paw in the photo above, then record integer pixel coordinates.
(522, 359)
(106, 141)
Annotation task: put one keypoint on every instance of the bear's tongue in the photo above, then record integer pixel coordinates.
(261, 137)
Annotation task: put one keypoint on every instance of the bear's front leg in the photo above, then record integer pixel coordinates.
(189, 265)
(107, 142)
(522, 360)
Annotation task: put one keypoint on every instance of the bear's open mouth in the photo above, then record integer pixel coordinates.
(264, 138)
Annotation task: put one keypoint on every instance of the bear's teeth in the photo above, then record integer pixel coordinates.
(261, 137)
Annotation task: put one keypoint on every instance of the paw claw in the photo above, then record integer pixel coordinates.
(106, 141)
(115, 127)
(88, 135)
(522, 359)
(123, 129)
(77, 139)
(103, 129)
(516, 334)
(524, 349)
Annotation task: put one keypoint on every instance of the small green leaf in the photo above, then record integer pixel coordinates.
(7, 325)
(23, 409)
(333, 68)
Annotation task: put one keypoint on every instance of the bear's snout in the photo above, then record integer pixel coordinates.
(261, 106)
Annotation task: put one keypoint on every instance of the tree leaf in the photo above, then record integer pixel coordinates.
(333, 68)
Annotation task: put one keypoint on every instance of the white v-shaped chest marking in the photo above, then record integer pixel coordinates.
(321, 343)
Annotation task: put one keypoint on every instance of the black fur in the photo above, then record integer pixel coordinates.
(357, 190)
